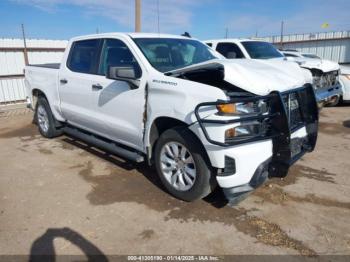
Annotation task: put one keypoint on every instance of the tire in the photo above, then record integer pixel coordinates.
(335, 102)
(45, 119)
(193, 165)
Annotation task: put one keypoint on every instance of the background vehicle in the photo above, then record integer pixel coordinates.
(294, 53)
(170, 101)
(345, 82)
(325, 73)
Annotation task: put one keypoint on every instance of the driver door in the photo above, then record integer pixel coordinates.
(118, 105)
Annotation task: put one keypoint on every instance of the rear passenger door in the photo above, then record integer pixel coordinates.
(76, 80)
(229, 50)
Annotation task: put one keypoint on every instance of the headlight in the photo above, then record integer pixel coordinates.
(317, 81)
(258, 107)
(245, 131)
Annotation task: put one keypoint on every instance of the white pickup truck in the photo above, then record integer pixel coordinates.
(325, 73)
(174, 102)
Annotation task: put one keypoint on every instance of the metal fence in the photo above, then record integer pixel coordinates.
(333, 46)
(13, 58)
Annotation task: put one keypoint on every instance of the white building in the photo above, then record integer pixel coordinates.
(333, 46)
(13, 57)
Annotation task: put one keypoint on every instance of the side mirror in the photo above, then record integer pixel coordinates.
(123, 73)
(289, 58)
(231, 55)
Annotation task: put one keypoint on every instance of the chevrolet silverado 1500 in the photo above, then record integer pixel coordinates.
(174, 102)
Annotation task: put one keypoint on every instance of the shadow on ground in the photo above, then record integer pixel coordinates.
(43, 248)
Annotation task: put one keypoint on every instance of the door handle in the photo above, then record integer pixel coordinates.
(63, 81)
(96, 87)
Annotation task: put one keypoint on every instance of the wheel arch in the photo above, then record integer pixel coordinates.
(159, 126)
(36, 93)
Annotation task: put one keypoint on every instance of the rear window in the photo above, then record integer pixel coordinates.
(83, 57)
(261, 50)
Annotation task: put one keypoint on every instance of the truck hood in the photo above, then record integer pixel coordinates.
(257, 77)
(324, 65)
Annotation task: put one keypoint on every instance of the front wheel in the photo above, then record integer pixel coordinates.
(182, 165)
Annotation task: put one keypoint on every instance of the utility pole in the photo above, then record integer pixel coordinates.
(282, 28)
(26, 61)
(137, 15)
(226, 34)
(158, 16)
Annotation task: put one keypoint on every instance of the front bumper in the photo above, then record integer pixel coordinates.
(326, 95)
(267, 156)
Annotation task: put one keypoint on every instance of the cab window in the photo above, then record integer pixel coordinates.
(83, 56)
(116, 53)
(229, 50)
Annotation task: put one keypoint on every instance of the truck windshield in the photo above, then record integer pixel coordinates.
(261, 50)
(167, 54)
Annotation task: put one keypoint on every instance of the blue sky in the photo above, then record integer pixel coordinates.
(62, 19)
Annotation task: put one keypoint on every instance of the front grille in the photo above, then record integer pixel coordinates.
(292, 106)
(325, 80)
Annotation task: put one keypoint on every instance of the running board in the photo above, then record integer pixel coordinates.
(104, 144)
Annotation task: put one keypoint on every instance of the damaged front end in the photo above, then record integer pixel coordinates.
(289, 119)
(327, 86)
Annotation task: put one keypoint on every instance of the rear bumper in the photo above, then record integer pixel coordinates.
(29, 103)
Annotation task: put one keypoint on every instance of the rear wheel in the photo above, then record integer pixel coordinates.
(45, 119)
(182, 165)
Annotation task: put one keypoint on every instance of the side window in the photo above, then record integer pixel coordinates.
(116, 53)
(229, 50)
(209, 44)
(83, 56)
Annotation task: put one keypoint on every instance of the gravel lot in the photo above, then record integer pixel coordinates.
(65, 196)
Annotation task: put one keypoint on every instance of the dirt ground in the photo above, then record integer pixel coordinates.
(65, 197)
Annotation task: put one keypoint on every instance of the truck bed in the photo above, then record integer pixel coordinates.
(52, 65)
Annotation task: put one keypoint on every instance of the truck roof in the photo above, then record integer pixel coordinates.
(233, 40)
(132, 35)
